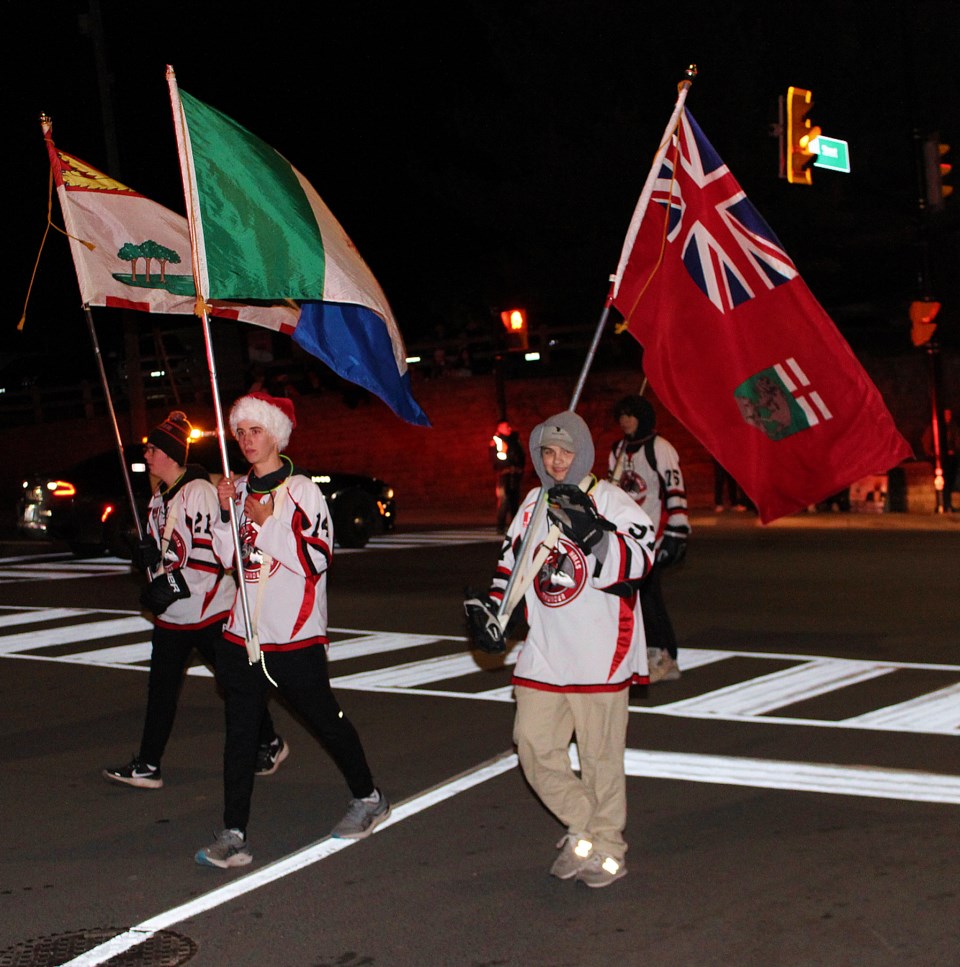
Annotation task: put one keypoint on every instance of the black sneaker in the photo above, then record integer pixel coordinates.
(270, 756)
(136, 773)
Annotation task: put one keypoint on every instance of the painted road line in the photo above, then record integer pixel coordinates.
(16, 559)
(375, 643)
(290, 864)
(41, 614)
(900, 784)
(769, 692)
(699, 657)
(31, 640)
(936, 711)
(411, 674)
(132, 654)
(866, 781)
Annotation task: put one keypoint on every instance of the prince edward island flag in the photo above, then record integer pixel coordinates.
(736, 346)
(261, 229)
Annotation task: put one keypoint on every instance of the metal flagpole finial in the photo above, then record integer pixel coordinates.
(688, 78)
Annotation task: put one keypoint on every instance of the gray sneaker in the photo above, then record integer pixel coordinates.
(230, 849)
(600, 870)
(574, 852)
(362, 817)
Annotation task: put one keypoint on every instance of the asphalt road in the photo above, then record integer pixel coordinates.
(794, 797)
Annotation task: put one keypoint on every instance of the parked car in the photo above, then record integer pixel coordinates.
(88, 507)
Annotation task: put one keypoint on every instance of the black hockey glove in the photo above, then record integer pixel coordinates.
(162, 591)
(484, 626)
(672, 550)
(573, 511)
(146, 554)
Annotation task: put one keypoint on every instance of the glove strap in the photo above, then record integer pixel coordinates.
(168, 525)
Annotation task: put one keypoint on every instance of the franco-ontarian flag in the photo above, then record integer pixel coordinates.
(736, 346)
(131, 253)
(261, 232)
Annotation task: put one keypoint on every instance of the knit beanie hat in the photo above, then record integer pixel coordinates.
(172, 436)
(274, 413)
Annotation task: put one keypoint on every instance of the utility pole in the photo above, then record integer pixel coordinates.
(925, 294)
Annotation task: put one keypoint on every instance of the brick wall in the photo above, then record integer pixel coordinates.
(444, 472)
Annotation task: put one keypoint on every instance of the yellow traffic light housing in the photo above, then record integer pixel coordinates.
(800, 137)
(515, 322)
(922, 315)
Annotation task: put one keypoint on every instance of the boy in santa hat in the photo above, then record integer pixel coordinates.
(286, 539)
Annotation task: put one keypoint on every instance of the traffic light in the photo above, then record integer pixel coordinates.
(935, 172)
(515, 322)
(922, 315)
(800, 137)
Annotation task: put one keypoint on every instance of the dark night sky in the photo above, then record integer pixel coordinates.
(492, 153)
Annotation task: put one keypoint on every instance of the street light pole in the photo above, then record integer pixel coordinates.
(925, 285)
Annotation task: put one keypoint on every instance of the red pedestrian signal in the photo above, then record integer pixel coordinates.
(515, 322)
(936, 169)
(922, 315)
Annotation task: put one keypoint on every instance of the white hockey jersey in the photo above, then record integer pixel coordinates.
(194, 507)
(298, 537)
(658, 487)
(586, 631)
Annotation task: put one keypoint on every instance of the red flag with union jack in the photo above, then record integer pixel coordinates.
(736, 346)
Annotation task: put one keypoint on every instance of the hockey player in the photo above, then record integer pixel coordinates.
(584, 649)
(286, 537)
(189, 595)
(646, 467)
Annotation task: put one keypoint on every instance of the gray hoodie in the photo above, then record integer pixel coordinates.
(567, 430)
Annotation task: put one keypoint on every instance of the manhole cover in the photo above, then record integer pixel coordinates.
(163, 949)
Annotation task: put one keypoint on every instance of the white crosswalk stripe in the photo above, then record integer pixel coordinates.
(753, 700)
(750, 701)
(770, 692)
(62, 566)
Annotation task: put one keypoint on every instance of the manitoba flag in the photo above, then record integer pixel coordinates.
(736, 346)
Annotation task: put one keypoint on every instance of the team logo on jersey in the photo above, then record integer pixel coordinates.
(175, 555)
(562, 576)
(252, 557)
(632, 483)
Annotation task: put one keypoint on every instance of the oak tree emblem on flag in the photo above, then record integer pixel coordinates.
(779, 402)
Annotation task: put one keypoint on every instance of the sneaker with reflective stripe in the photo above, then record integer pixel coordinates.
(574, 852)
(135, 773)
(362, 817)
(600, 870)
(270, 756)
(229, 849)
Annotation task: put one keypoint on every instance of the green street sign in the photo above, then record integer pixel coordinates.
(831, 153)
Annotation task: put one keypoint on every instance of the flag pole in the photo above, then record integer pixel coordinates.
(683, 88)
(512, 593)
(46, 125)
(198, 260)
(108, 397)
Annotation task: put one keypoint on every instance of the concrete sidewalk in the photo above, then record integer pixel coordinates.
(701, 519)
